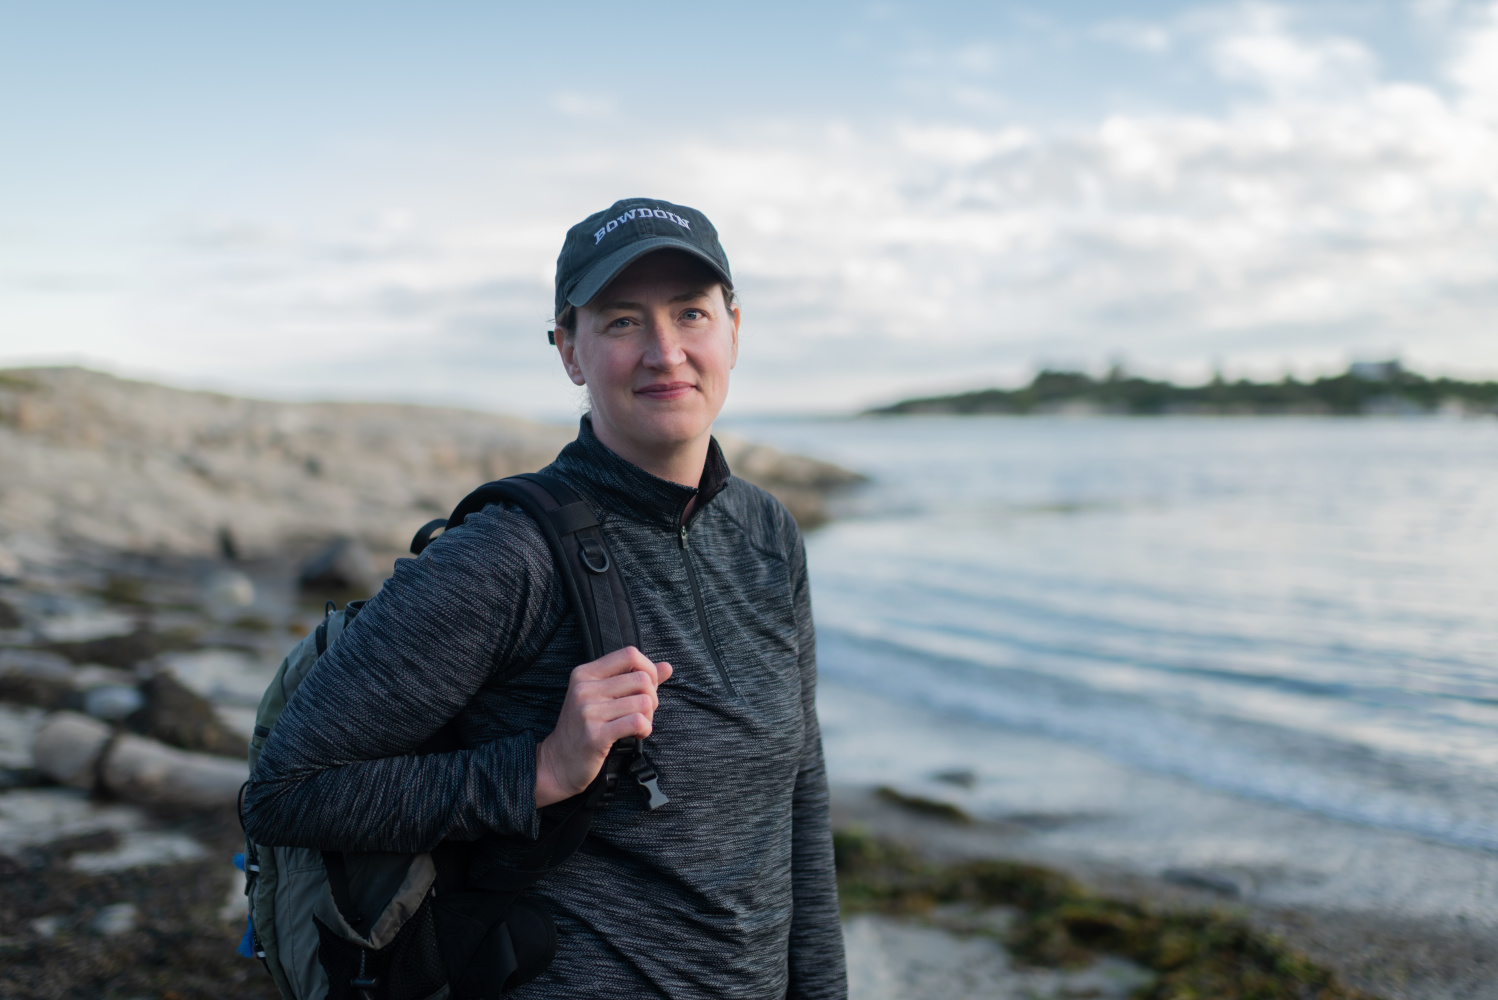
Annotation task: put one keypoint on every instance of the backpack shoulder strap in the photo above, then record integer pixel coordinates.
(591, 578)
(595, 590)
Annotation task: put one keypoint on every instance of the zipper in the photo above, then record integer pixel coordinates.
(707, 636)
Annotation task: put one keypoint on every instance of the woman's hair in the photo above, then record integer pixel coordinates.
(566, 320)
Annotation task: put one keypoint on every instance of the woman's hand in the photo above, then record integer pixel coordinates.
(607, 700)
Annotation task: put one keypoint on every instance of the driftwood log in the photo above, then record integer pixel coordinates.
(83, 752)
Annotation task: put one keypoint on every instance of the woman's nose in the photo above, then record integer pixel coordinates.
(665, 349)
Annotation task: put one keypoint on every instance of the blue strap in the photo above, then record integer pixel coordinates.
(247, 943)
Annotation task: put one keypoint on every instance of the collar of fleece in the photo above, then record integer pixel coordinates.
(625, 488)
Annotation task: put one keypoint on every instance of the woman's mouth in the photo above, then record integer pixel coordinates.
(665, 390)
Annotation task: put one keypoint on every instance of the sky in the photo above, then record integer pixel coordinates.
(365, 201)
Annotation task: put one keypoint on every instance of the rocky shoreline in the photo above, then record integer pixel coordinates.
(97, 462)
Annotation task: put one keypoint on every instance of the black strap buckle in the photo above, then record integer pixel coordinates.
(644, 773)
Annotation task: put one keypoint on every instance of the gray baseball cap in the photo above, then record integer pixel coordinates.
(605, 243)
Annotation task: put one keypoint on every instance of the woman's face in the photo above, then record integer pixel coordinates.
(654, 349)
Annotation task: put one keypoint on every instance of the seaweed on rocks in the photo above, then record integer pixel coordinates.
(251, 623)
(1194, 955)
(929, 807)
(129, 591)
(875, 874)
(1201, 954)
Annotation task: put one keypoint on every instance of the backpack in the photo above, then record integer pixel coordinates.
(330, 925)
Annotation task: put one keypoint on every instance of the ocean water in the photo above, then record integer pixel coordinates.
(1303, 611)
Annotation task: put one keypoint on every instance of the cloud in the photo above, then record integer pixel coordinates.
(1328, 208)
(1262, 50)
(1474, 69)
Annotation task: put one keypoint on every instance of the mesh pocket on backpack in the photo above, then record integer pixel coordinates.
(409, 968)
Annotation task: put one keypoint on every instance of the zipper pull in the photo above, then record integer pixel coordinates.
(683, 536)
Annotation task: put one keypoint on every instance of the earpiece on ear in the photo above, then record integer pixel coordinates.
(551, 337)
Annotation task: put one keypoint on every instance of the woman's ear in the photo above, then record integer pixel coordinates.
(733, 359)
(567, 348)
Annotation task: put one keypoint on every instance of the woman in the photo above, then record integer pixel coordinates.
(728, 889)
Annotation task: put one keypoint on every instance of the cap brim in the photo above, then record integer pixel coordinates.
(599, 275)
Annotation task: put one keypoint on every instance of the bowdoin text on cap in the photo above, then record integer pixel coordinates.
(605, 243)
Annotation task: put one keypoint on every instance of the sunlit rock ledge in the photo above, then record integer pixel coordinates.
(94, 459)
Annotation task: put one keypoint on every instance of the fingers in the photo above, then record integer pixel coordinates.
(611, 698)
(609, 710)
(636, 725)
(622, 661)
(606, 722)
(622, 686)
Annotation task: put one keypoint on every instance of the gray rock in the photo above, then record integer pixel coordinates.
(137, 467)
(140, 770)
(92, 675)
(118, 918)
(68, 747)
(18, 727)
(47, 927)
(76, 750)
(178, 716)
(892, 959)
(344, 566)
(121, 652)
(229, 590)
(10, 568)
(113, 701)
(24, 689)
(1234, 885)
(36, 663)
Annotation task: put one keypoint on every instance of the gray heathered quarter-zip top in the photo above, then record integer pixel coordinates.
(726, 891)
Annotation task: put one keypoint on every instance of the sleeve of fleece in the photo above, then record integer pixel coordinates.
(817, 967)
(337, 771)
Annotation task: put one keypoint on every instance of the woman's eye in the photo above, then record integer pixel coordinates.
(620, 323)
(692, 314)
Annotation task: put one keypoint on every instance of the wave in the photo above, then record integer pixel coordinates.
(1339, 778)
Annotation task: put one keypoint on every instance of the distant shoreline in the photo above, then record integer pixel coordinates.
(1381, 389)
